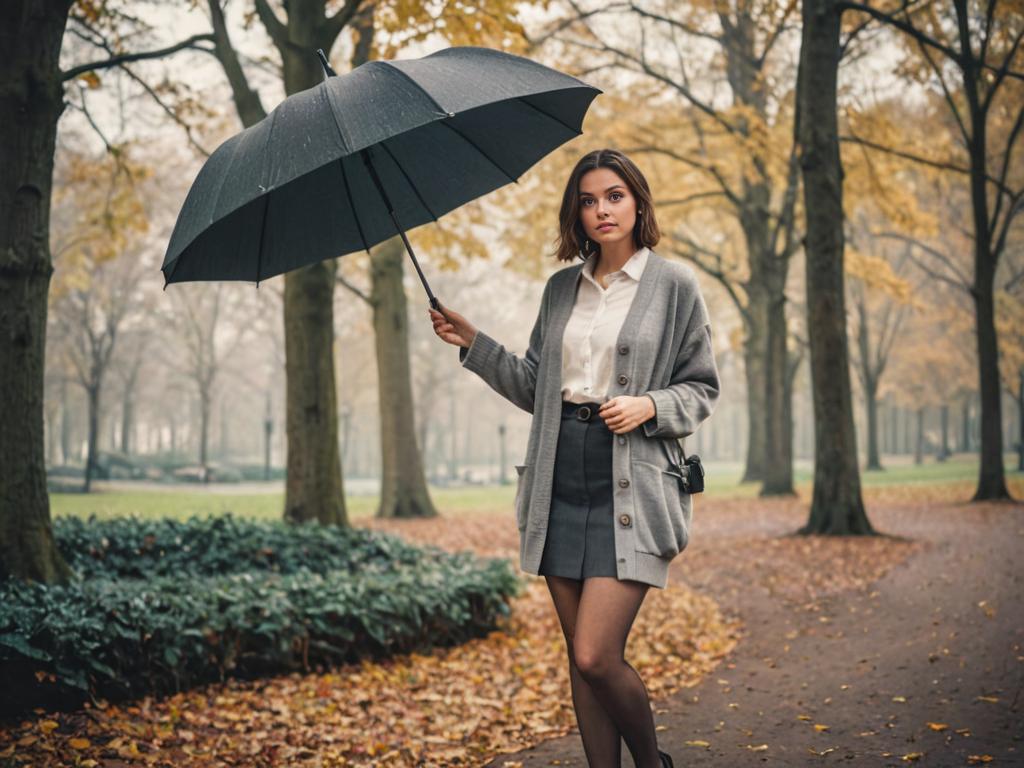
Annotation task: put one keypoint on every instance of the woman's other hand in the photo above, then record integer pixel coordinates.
(452, 327)
(624, 413)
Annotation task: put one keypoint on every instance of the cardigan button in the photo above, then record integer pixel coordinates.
(624, 519)
(622, 440)
(623, 483)
(623, 378)
(623, 349)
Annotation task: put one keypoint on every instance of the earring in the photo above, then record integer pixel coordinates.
(586, 246)
(639, 213)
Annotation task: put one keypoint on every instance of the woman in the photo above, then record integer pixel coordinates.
(618, 367)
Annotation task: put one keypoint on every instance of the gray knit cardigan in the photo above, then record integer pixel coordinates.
(664, 350)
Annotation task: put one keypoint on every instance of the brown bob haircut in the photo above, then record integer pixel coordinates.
(571, 237)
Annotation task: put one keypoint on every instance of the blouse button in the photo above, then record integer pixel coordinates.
(623, 349)
(623, 378)
(624, 519)
(621, 440)
(623, 483)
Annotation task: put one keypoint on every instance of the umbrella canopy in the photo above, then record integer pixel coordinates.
(357, 159)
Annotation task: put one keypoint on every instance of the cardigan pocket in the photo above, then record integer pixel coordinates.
(518, 503)
(660, 520)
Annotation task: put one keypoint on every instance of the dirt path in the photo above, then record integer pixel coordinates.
(938, 639)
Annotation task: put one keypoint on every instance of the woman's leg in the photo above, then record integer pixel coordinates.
(601, 741)
(607, 607)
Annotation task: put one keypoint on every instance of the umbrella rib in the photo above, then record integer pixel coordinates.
(549, 116)
(423, 90)
(475, 146)
(411, 185)
(352, 203)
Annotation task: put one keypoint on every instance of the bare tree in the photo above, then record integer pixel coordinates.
(213, 322)
(89, 320)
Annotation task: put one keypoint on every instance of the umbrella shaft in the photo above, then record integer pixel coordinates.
(394, 217)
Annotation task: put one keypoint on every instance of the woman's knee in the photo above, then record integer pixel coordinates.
(593, 661)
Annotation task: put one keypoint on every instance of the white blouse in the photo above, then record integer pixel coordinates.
(588, 346)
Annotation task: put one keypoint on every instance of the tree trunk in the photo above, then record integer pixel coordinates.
(204, 433)
(31, 101)
(127, 425)
(944, 419)
(778, 431)
(754, 355)
(403, 486)
(871, 403)
(65, 423)
(991, 478)
(313, 488)
(1020, 420)
(919, 437)
(92, 395)
(965, 427)
(836, 507)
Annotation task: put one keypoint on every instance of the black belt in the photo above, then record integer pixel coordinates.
(581, 411)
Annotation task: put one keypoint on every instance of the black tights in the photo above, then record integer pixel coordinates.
(610, 699)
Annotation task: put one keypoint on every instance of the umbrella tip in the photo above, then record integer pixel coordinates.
(328, 72)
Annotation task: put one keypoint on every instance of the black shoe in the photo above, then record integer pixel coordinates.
(666, 760)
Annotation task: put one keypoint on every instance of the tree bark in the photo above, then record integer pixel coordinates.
(754, 355)
(836, 507)
(31, 101)
(403, 486)
(778, 430)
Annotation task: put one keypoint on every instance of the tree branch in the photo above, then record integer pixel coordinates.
(126, 58)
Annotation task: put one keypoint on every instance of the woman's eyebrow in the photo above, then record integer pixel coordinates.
(613, 186)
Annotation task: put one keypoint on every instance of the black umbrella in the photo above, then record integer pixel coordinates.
(351, 162)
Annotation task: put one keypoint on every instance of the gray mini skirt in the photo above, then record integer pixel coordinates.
(580, 538)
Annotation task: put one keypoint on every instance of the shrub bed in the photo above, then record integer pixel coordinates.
(165, 605)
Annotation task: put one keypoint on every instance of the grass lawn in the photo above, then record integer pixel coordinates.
(722, 482)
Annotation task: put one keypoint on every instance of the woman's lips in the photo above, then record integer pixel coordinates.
(605, 227)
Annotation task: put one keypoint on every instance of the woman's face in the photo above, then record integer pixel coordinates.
(605, 199)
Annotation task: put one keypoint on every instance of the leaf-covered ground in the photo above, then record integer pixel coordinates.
(505, 693)
(900, 650)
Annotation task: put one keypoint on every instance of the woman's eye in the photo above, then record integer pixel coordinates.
(617, 194)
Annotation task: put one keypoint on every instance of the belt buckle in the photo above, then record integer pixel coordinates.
(583, 413)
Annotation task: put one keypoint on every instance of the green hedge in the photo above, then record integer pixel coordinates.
(136, 548)
(277, 598)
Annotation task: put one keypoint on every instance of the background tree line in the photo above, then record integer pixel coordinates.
(880, 142)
